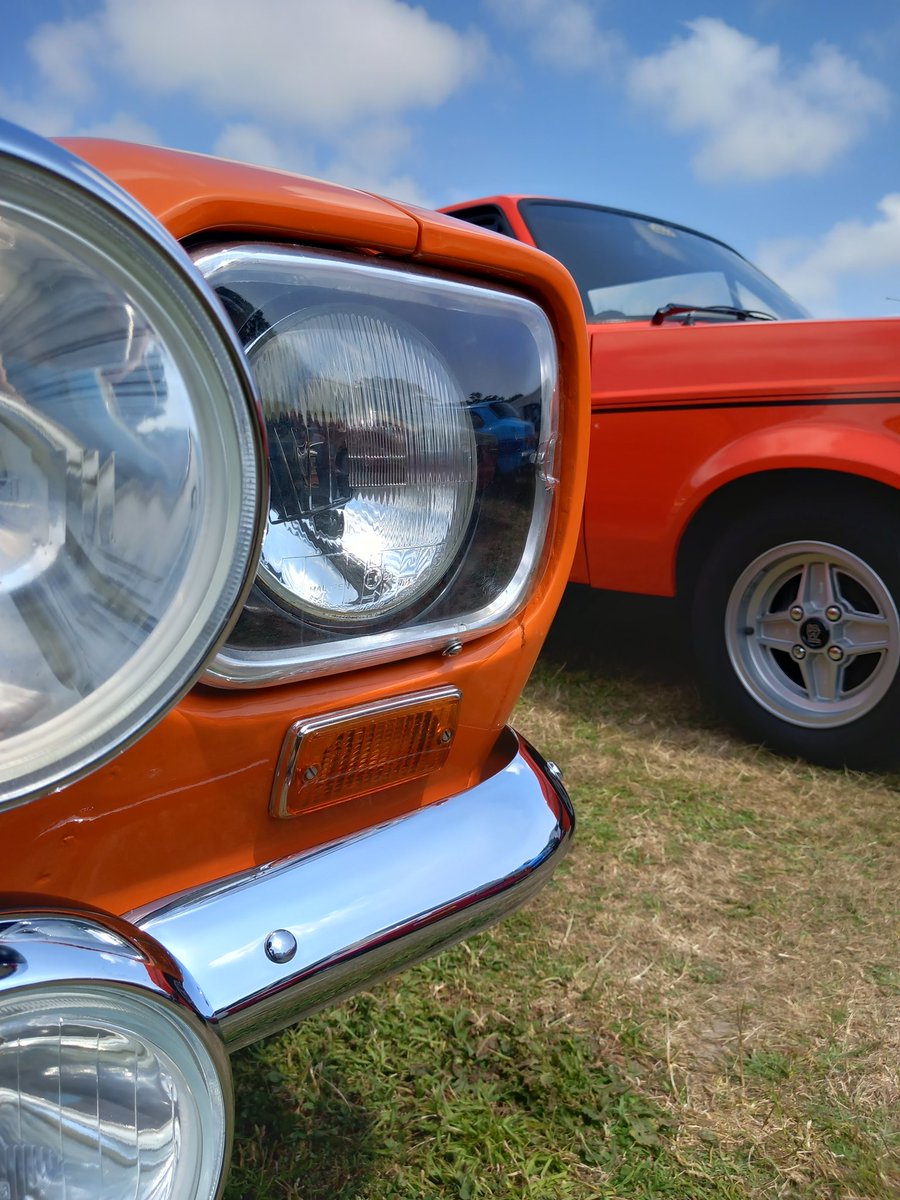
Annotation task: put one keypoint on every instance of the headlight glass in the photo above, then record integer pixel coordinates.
(130, 472)
(412, 421)
(373, 463)
(107, 1093)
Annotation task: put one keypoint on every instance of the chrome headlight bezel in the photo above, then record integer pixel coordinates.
(446, 310)
(60, 204)
(105, 1045)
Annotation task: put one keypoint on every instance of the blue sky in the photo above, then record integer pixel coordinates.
(774, 124)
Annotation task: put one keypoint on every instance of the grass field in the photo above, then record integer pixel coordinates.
(705, 1002)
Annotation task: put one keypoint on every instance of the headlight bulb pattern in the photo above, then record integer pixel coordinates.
(372, 463)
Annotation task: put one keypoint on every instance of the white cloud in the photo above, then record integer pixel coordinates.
(758, 117)
(123, 127)
(564, 33)
(251, 143)
(55, 118)
(45, 116)
(402, 187)
(850, 252)
(315, 63)
(366, 157)
(63, 53)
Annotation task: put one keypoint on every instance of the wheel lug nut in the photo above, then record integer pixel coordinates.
(833, 613)
(835, 653)
(799, 652)
(796, 613)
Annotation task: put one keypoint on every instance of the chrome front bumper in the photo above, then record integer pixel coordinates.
(257, 951)
(364, 907)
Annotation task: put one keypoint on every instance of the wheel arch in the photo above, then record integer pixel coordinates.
(736, 497)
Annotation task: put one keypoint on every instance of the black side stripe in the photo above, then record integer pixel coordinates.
(695, 405)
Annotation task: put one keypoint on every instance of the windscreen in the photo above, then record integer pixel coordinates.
(627, 267)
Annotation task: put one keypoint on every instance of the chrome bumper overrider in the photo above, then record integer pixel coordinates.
(366, 906)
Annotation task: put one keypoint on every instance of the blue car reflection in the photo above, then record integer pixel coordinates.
(516, 439)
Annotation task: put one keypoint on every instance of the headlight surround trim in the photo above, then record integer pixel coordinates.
(276, 662)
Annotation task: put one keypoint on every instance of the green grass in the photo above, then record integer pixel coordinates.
(423, 1089)
(703, 1002)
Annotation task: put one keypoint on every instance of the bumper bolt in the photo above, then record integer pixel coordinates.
(798, 652)
(796, 613)
(281, 946)
(833, 613)
(835, 653)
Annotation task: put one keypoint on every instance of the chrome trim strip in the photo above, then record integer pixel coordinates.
(51, 945)
(368, 905)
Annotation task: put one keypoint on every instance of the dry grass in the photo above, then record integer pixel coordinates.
(734, 912)
(705, 1002)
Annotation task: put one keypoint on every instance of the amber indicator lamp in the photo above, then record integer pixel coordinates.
(342, 756)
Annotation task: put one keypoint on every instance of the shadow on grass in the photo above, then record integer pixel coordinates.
(613, 634)
(309, 1133)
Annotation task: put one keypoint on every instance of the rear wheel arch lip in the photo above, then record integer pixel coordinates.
(729, 501)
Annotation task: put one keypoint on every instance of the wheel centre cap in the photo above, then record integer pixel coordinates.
(814, 634)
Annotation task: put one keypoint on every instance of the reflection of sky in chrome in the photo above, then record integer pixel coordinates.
(98, 477)
(351, 893)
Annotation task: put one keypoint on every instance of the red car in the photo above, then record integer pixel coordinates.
(745, 460)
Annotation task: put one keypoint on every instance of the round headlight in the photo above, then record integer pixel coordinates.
(108, 1093)
(372, 461)
(130, 476)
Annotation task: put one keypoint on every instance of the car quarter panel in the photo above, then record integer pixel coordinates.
(699, 407)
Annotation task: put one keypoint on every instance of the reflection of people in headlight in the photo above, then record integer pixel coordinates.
(308, 469)
(324, 482)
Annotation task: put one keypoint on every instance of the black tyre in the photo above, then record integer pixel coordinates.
(796, 626)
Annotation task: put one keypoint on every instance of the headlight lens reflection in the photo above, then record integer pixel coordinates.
(131, 469)
(106, 1094)
(372, 463)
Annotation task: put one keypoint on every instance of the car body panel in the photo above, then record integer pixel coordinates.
(190, 800)
(194, 194)
(702, 406)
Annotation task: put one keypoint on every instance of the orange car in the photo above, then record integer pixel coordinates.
(746, 461)
(266, 607)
